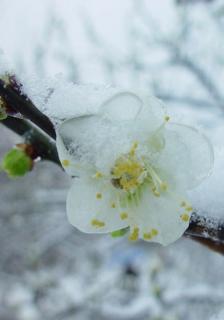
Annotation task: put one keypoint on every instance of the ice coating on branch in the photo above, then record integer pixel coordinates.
(60, 99)
(134, 168)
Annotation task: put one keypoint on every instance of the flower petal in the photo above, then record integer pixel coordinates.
(93, 142)
(161, 219)
(188, 154)
(92, 207)
(152, 114)
(122, 106)
(70, 100)
(69, 144)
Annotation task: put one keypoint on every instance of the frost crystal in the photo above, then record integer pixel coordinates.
(133, 167)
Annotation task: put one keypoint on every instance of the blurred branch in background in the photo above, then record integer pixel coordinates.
(192, 1)
(205, 230)
(140, 65)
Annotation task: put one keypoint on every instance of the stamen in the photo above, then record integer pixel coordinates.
(134, 235)
(164, 186)
(65, 163)
(157, 182)
(147, 236)
(99, 195)
(113, 205)
(155, 192)
(166, 118)
(185, 217)
(97, 223)
(133, 149)
(123, 215)
(154, 232)
(98, 175)
(189, 209)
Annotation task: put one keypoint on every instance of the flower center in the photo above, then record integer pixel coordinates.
(130, 173)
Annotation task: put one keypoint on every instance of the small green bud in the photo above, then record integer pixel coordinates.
(16, 163)
(119, 233)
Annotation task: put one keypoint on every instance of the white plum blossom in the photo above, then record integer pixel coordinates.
(131, 168)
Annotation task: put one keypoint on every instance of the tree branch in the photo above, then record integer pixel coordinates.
(208, 231)
(25, 106)
(43, 146)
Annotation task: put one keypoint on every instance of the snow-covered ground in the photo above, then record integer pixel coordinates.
(47, 268)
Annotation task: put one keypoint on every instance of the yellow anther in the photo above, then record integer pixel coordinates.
(65, 163)
(99, 195)
(155, 192)
(183, 204)
(113, 205)
(164, 186)
(133, 148)
(154, 232)
(189, 209)
(166, 118)
(185, 217)
(123, 215)
(134, 235)
(97, 223)
(147, 236)
(98, 175)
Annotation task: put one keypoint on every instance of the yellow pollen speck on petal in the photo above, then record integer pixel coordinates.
(166, 118)
(113, 205)
(154, 232)
(65, 163)
(97, 223)
(98, 175)
(185, 217)
(164, 186)
(123, 215)
(147, 236)
(189, 209)
(134, 234)
(99, 195)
